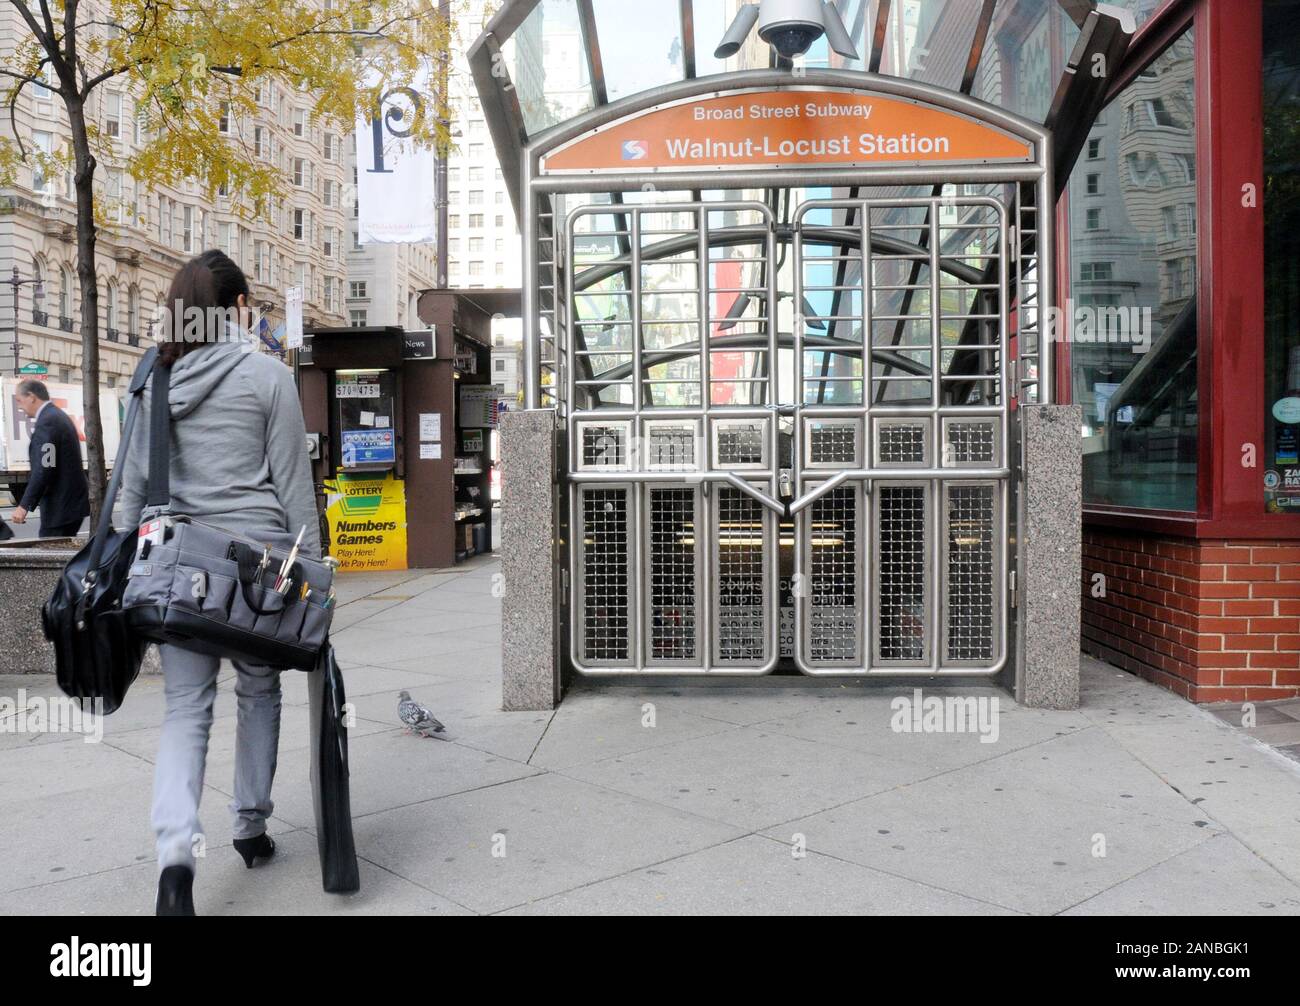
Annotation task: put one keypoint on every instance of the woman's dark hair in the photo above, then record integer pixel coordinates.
(202, 293)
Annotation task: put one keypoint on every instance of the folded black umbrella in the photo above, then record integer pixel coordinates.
(329, 777)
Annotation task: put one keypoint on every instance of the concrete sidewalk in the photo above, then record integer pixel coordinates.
(592, 809)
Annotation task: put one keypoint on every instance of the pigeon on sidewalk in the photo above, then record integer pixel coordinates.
(419, 718)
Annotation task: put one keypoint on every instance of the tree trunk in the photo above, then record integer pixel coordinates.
(83, 182)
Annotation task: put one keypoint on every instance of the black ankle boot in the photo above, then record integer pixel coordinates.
(175, 891)
(252, 849)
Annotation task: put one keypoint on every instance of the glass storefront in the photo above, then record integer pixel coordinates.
(1130, 319)
(1281, 201)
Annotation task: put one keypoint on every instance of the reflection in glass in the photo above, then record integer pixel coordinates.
(550, 65)
(1131, 318)
(1282, 256)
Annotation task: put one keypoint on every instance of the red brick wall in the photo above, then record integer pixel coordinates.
(1213, 620)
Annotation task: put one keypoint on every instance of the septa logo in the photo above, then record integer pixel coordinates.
(635, 150)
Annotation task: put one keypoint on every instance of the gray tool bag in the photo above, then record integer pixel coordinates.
(205, 589)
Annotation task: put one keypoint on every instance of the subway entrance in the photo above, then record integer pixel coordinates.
(788, 385)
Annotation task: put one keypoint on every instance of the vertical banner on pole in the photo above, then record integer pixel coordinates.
(396, 178)
(293, 317)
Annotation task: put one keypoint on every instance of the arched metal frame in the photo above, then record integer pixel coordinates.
(1026, 265)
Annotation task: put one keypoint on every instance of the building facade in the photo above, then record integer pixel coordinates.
(149, 232)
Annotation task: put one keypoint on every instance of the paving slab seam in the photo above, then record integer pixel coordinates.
(124, 866)
(1276, 758)
(1167, 859)
(728, 727)
(444, 796)
(900, 876)
(624, 873)
(409, 880)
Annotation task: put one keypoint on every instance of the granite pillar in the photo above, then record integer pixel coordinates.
(28, 572)
(1047, 675)
(530, 666)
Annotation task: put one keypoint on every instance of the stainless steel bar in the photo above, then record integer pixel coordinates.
(528, 296)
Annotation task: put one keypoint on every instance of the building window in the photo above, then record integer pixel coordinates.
(476, 197)
(499, 366)
(1096, 272)
(113, 115)
(1133, 351)
(187, 229)
(133, 310)
(329, 242)
(299, 171)
(357, 289)
(476, 268)
(41, 174)
(1094, 184)
(357, 319)
(299, 224)
(299, 122)
(223, 118)
(330, 146)
(476, 221)
(110, 309)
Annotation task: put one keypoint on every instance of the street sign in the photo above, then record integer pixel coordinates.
(419, 345)
(34, 368)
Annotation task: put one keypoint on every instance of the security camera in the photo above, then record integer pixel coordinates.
(789, 26)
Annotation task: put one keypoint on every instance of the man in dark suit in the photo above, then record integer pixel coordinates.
(58, 482)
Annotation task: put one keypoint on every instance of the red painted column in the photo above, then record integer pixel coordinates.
(1231, 314)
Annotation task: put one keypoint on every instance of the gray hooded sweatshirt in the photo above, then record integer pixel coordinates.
(238, 447)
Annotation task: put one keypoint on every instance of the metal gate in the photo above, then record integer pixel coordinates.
(730, 449)
(902, 467)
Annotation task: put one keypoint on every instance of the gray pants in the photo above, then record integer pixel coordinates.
(190, 683)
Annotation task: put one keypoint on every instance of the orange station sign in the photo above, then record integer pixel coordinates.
(787, 128)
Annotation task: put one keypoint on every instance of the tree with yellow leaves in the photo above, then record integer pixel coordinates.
(192, 65)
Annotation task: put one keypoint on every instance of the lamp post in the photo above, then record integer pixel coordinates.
(38, 295)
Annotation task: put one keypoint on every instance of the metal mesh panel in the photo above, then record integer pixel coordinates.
(741, 609)
(970, 443)
(901, 444)
(740, 444)
(671, 447)
(605, 576)
(900, 592)
(604, 446)
(672, 574)
(970, 572)
(833, 577)
(833, 444)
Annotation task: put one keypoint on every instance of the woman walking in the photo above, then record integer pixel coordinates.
(238, 461)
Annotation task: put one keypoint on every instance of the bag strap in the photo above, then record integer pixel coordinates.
(136, 390)
(160, 423)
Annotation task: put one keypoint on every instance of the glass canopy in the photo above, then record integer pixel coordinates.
(569, 56)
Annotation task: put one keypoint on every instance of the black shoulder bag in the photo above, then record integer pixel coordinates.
(97, 654)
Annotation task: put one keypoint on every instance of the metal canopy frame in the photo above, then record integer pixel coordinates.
(1105, 29)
